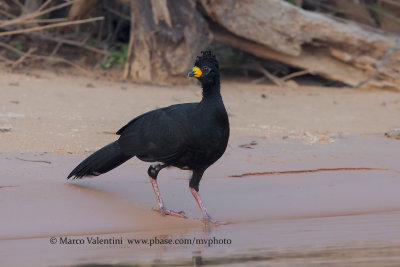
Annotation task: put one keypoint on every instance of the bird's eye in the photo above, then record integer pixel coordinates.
(206, 70)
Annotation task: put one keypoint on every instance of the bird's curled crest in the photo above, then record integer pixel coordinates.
(207, 58)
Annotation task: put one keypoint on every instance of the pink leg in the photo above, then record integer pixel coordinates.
(206, 216)
(164, 211)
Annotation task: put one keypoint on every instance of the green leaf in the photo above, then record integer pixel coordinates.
(18, 45)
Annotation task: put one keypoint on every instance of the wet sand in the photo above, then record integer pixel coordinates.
(333, 215)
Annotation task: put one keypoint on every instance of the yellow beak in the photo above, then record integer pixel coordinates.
(195, 72)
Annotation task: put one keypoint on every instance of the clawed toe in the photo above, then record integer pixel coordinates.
(180, 214)
(211, 222)
(164, 212)
(161, 211)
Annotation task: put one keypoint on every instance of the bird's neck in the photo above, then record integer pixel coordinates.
(211, 90)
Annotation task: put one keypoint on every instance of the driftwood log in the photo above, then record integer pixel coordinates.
(274, 29)
(166, 35)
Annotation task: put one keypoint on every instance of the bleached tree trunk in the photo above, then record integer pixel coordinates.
(81, 8)
(166, 35)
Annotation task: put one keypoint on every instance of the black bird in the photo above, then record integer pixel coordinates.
(189, 136)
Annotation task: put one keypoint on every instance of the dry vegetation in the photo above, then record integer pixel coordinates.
(341, 42)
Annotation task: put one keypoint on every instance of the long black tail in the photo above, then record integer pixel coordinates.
(101, 161)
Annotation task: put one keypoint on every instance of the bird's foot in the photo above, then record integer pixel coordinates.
(164, 212)
(208, 221)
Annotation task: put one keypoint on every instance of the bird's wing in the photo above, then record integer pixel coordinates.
(127, 126)
(158, 135)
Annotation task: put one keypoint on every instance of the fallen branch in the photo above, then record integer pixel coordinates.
(9, 15)
(45, 20)
(6, 186)
(30, 16)
(70, 42)
(259, 80)
(55, 50)
(39, 161)
(9, 47)
(61, 60)
(49, 58)
(21, 59)
(21, 6)
(312, 170)
(45, 4)
(117, 13)
(55, 25)
(295, 74)
(381, 64)
(267, 74)
(6, 60)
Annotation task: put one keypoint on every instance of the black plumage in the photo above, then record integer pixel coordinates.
(188, 136)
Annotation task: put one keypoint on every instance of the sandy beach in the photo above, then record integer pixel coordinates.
(308, 178)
